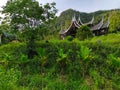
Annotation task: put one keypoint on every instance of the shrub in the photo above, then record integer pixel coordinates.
(81, 69)
(69, 38)
(84, 32)
(9, 78)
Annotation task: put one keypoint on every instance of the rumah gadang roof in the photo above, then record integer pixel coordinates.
(73, 25)
(88, 23)
(74, 21)
(106, 25)
(76, 24)
(97, 26)
(101, 25)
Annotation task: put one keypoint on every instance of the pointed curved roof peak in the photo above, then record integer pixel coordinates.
(79, 18)
(79, 21)
(101, 23)
(108, 21)
(102, 18)
(74, 18)
(92, 20)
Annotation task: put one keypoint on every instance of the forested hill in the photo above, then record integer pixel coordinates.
(64, 19)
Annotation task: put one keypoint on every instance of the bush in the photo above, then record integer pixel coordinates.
(114, 22)
(9, 78)
(84, 32)
(69, 38)
(77, 64)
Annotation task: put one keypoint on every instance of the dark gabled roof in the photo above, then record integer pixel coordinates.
(73, 24)
(79, 21)
(62, 31)
(88, 23)
(106, 25)
(97, 26)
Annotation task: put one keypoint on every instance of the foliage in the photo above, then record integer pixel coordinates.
(62, 60)
(28, 17)
(42, 56)
(115, 21)
(84, 32)
(64, 19)
(57, 64)
(71, 64)
(113, 61)
(29, 9)
(98, 81)
(8, 79)
(77, 64)
(3, 28)
(84, 53)
(69, 38)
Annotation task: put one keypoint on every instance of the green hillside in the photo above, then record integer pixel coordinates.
(34, 57)
(62, 65)
(65, 18)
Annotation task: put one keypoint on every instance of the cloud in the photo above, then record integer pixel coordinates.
(84, 5)
(80, 5)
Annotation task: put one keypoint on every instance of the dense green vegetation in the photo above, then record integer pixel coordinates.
(84, 32)
(62, 65)
(38, 60)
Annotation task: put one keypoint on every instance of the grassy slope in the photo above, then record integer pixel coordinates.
(101, 72)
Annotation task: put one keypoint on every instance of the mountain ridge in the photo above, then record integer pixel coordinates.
(64, 20)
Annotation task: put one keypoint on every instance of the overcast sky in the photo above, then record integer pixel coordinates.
(81, 5)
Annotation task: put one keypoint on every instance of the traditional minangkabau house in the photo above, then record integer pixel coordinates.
(98, 29)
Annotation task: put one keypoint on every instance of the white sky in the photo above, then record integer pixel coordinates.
(80, 5)
(85, 5)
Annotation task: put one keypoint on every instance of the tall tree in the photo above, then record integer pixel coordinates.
(22, 12)
(26, 16)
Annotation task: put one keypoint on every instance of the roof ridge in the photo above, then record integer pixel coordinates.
(73, 18)
(101, 23)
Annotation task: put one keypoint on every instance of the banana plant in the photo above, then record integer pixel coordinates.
(84, 53)
(114, 61)
(84, 57)
(62, 60)
(42, 56)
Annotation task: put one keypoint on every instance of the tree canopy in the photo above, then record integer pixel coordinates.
(83, 32)
(24, 12)
(28, 16)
